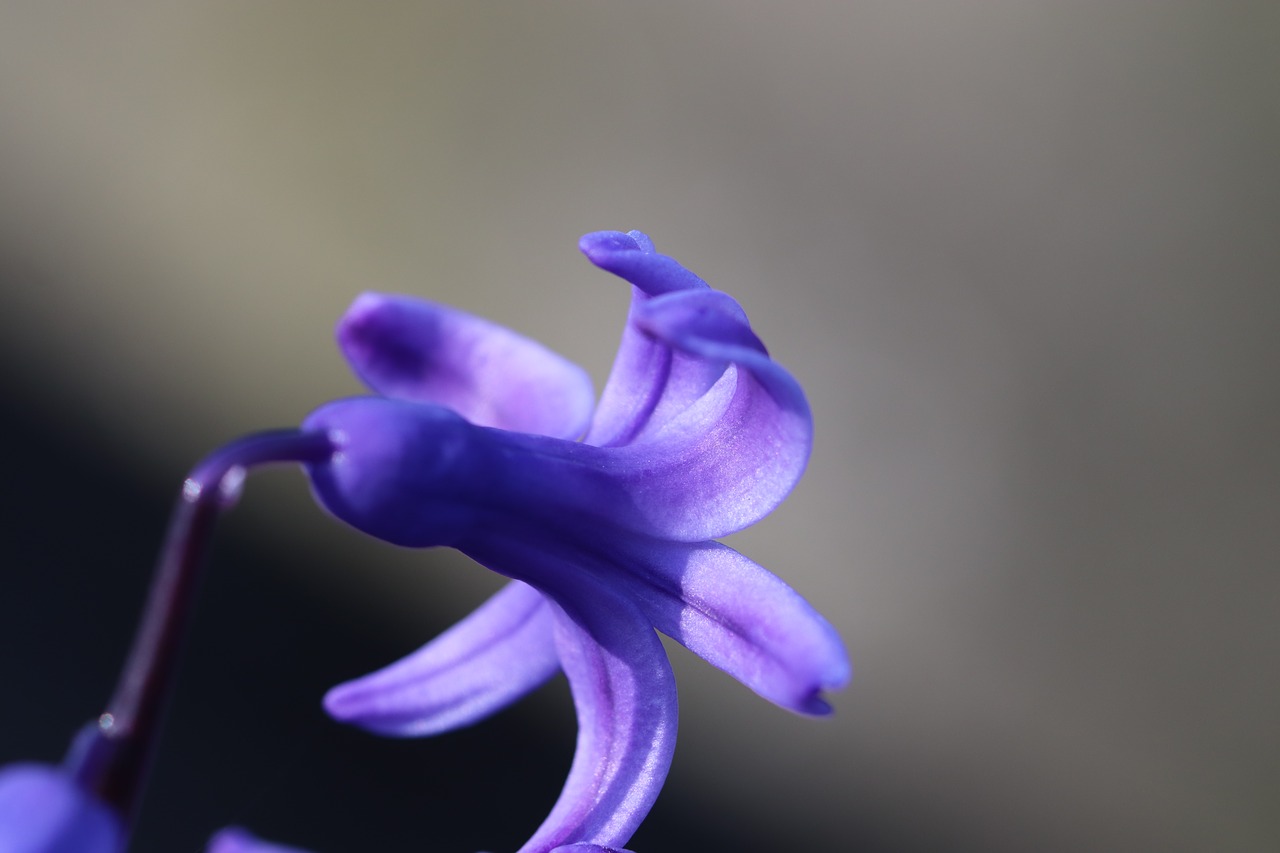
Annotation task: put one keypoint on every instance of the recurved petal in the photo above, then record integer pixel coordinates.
(412, 349)
(487, 661)
(694, 386)
(725, 608)
(729, 458)
(42, 810)
(738, 617)
(624, 693)
(631, 256)
(648, 378)
(234, 839)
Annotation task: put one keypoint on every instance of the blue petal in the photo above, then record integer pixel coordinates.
(487, 661)
(411, 349)
(236, 840)
(723, 607)
(735, 615)
(419, 475)
(631, 256)
(624, 693)
(646, 373)
(730, 457)
(43, 811)
(694, 384)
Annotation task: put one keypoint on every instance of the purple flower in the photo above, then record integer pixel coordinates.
(473, 444)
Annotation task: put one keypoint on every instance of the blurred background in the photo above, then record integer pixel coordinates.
(1022, 255)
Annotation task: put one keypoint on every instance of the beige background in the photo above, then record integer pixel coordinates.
(1022, 255)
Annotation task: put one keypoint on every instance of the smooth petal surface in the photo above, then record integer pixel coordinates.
(737, 616)
(729, 458)
(233, 839)
(631, 256)
(624, 693)
(484, 663)
(43, 811)
(646, 374)
(412, 349)
(723, 607)
(720, 464)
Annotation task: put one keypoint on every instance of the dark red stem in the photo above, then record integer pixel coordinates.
(111, 758)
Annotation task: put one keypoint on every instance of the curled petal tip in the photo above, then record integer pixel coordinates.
(632, 257)
(600, 244)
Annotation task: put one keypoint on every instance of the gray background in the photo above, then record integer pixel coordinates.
(1022, 255)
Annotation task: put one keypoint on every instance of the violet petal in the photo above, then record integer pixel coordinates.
(645, 371)
(411, 349)
(234, 839)
(632, 257)
(723, 607)
(42, 810)
(479, 666)
(729, 458)
(738, 617)
(624, 694)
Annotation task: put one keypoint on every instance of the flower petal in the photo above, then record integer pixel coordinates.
(692, 374)
(412, 349)
(487, 661)
(234, 839)
(631, 256)
(624, 692)
(725, 608)
(721, 464)
(647, 375)
(42, 810)
(738, 617)
(728, 459)
(419, 475)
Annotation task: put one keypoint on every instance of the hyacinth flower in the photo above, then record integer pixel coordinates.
(484, 441)
(473, 443)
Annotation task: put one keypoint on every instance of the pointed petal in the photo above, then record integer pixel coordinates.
(233, 839)
(624, 692)
(416, 350)
(588, 848)
(725, 608)
(42, 810)
(738, 617)
(487, 661)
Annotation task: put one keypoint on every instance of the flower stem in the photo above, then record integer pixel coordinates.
(112, 757)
